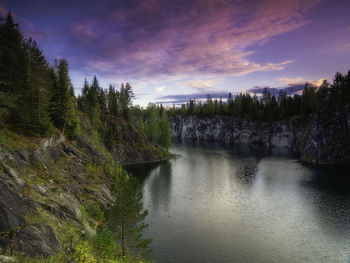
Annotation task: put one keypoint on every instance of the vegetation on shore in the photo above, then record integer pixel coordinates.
(36, 97)
(37, 100)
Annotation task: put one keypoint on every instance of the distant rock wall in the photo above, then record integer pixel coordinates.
(321, 139)
(233, 130)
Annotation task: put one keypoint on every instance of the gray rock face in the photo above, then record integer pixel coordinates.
(31, 239)
(37, 239)
(232, 130)
(14, 175)
(50, 176)
(318, 140)
(55, 159)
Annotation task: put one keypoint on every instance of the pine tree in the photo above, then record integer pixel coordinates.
(63, 106)
(126, 96)
(230, 103)
(165, 131)
(13, 57)
(93, 104)
(24, 81)
(153, 131)
(72, 126)
(141, 125)
(126, 217)
(33, 102)
(82, 99)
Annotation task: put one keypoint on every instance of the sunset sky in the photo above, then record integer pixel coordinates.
(173, 50)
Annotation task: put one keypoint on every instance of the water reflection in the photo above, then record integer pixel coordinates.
(330, 199)
(215, 203)
(156, 180)
(246, 170)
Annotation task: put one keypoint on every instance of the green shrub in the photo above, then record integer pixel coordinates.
(94, 211)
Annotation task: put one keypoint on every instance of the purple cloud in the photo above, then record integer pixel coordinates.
(184, 38)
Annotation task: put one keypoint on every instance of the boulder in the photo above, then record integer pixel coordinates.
(30, 239)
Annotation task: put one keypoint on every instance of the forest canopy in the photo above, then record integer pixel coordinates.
(36, 97)
(325, 98)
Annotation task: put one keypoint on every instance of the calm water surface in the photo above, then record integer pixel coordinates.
(215, 203)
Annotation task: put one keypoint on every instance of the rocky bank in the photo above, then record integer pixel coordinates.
(45, 183)
(319, 139)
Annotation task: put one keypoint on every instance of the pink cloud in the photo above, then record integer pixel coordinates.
(198, 37)
(85, 32)
(3, 11)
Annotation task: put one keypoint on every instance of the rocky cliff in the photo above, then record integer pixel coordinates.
(45, 183)
(319, 139)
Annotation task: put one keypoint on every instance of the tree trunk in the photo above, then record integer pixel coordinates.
(123, 236)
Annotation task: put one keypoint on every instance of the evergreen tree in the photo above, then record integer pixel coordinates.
(282, 103)
(126, 217)
(24, 81)
(93, 104)
(82, 99)
(63, 106)
(113, 102)
(230, 103)
(165, 131)
(126, 96)
(308, 99)
(72, 126)
(153, 131)
(33, 102)
(13, 58)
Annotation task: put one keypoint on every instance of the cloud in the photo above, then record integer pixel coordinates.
(300, 80)
(85, 32)
(208, 85)
(183, 98)
(160, 89)
(29, 30)
(291, 90)
(3, 11)
(202, 95)
(146, 38)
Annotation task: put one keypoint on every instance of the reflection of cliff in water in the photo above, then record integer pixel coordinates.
(245, 171)
(331, 205)
(142, 170)
(239, 203)
(237, 150)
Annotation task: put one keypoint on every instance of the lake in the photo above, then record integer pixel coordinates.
(217, 203)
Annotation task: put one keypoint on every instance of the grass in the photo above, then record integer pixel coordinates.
(76, 246)
(15, 141)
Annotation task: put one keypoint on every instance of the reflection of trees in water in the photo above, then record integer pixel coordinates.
(332, 212)
(332, 180)
(246, 170)
(141, 171)
(248, 150)
(159, 185)
(330, 199)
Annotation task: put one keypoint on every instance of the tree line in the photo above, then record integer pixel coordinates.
(153, 122)
(326, 98)
(35, 96)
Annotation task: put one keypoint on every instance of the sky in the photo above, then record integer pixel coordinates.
(173, 50)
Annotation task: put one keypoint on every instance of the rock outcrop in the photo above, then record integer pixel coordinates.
(321, 139)
(45, 183)
(16, 231)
